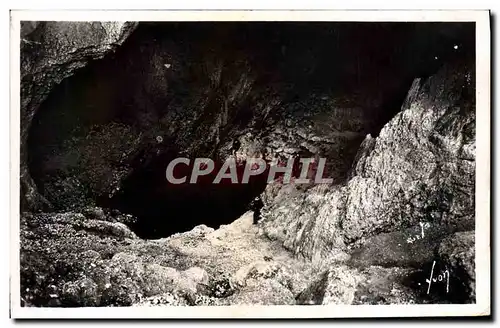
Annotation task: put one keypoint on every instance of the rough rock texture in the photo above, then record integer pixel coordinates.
(401, 212)
(71, 260)
(185, 90)
(458, 253)
(410, 187)
(374, 285)
(420, 169)
(50, 52)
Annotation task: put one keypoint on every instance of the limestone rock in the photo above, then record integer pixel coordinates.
(51, 52)
(372, 285)
(458, 253)
(420, 169)
(402, 200)
(70, 260)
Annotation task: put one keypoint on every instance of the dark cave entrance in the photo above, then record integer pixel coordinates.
(164, 208)
(299, 59)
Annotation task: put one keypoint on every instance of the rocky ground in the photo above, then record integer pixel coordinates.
(401, 208)
(74, 260)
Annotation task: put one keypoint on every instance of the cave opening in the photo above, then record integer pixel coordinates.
(164, 208)
(171, 81)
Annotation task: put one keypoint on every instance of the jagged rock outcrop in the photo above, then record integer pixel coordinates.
(161, 96)
(51, 52)
(410, 187)
(105, 135)
(404, 206)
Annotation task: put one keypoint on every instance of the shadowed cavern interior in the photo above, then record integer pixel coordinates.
(106, 135)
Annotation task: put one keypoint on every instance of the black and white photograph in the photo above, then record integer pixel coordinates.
(300, 164)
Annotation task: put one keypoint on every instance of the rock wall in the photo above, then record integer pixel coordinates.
(51, 52)
(190, 90)
(402, 202)
(410, 190)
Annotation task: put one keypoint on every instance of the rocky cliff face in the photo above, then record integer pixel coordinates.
(51, 52)
(105, 136)
(402, 202)
(410, 188)
(419, 169)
